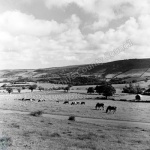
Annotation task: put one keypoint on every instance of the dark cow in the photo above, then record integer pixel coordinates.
(111, 108)
(99, 105)
(66, 102)
(73, 103)
(41, 100)
(82, 103)
(77, 103)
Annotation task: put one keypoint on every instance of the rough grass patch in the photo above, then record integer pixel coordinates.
(88, 136)
(36, 113)
(5, 142)
(55, 135)
(15, 125)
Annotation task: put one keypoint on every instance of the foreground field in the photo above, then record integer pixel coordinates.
(22, 132)
(125, 110)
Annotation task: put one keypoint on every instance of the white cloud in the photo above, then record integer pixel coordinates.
(25, 39)
(29, 42)
(18, 23)
(106, 10)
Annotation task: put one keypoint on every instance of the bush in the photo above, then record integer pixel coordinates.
(23, 87)
(132, 89)
(36, 113)
(32, 87)
(9, 90)
(40, 88)
(71, 118)
(19, 90)
(90, 90)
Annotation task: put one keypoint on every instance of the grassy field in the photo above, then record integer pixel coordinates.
(20, 132)
(125, 110)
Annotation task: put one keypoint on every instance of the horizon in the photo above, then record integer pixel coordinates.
(50, 33)
(76, 65)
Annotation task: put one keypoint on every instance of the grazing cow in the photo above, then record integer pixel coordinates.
(41, 100)
(57, 101)
(23, 99)
(27, 99)
(82, 103)
(99, 105)
(111, 108)
(73, 103)
(77, 103)
(66, 102)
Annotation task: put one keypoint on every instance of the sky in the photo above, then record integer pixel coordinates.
(53, 33)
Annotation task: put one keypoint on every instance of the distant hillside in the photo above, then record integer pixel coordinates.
(132, 68)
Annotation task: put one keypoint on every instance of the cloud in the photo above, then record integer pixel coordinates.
(105, 10)
(35, 43)
(137, 30)
(19, 23)
(27, 40)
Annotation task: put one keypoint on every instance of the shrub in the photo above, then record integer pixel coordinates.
(134, 89)
(23, 87)
(32, 87)
(9, 90)
(36, 113)
(71, 118)
(40, 88)
(19, 90)
(90, 90)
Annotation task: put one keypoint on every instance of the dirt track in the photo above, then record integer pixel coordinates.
(97, 121)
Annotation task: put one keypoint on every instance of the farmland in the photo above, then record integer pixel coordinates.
(56, 133)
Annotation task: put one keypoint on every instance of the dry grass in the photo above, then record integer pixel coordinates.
(59, 135)
(125, 111)
(5, 142)
(36, 113)
(28, 132)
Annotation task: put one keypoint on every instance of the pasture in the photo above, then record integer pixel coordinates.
(46, 133)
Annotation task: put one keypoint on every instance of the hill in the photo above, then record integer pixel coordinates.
(132, 69)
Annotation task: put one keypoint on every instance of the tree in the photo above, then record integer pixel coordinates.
(4, 85)
(109, 90)
(99, 89)
(32, 87)
(19, 90)
(90, 90)
(40, 88)
(134, 89)
(9, 90)
(23, 87)
(66, 89)
(106, 89)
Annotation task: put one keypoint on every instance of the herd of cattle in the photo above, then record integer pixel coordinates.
(98, 105)
(31, 99)
(74, 103)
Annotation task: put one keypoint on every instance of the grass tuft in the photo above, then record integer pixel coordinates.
(5, 142)
(55, 135)
(36, 113)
